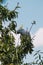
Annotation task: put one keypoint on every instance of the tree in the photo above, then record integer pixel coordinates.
(38, 58)
(9, 54)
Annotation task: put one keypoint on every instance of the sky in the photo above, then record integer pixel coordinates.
(30, 10)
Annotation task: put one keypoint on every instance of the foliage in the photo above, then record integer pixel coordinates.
(38, 59)
(9, 54)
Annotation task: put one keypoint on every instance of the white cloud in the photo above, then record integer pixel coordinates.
(17, 38)
(38, 39)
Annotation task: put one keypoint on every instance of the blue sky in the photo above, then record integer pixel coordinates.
(30, 10)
